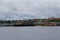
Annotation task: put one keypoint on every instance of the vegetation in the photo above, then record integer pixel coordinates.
(32, 22)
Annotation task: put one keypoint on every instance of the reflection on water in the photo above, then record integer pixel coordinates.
(30, 33)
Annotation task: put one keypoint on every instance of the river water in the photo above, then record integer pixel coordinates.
(30, 33)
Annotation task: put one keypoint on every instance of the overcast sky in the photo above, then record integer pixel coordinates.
(28, 9)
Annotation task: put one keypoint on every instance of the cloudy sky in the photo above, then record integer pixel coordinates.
(28, 9)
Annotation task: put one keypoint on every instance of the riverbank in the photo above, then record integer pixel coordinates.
(31, 22)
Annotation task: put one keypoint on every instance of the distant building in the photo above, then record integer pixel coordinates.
(52, 18)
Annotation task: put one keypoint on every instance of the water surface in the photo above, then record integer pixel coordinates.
(30, 33)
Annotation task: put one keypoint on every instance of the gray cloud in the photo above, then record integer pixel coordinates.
(28, 9)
